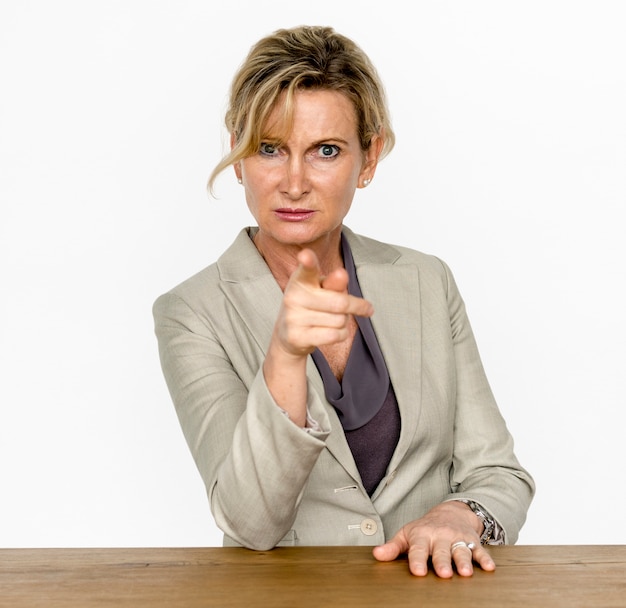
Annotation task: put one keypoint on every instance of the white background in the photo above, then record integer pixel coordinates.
(510, 165)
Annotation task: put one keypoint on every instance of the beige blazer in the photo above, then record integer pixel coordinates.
(270, 482)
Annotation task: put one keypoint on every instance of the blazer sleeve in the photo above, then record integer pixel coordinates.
(484, 466)
(254, 461)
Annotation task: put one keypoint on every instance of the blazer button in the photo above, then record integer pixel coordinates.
(369, 527)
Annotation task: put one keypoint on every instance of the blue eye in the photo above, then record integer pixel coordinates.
(328, 150)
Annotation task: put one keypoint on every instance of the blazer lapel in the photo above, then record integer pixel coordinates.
(395, 294)
(253, 291)
(249, 285)
(336, 442)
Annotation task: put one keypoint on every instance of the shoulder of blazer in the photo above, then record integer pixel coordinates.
(366, 250)
(240, 262)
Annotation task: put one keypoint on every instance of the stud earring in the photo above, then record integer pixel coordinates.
(366, 182)
(239, 180)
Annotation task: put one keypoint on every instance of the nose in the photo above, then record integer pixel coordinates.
(296, 182)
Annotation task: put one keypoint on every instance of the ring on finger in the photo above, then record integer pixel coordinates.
(462, 543)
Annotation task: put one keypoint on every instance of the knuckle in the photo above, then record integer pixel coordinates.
(337, 305)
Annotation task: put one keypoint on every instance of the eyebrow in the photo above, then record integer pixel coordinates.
(319, 142)
(330, 139)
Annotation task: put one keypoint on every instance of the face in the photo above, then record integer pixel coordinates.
(300, 191)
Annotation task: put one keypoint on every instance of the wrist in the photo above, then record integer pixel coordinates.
(285, 378)
(485, 524)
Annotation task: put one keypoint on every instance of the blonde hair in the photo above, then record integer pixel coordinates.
(304, 57)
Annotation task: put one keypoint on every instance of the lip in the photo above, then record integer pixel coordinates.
(294, 215)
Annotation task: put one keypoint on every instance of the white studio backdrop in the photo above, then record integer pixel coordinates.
(510, 165)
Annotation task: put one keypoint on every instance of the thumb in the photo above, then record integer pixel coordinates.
(337, 280)
(390, 550)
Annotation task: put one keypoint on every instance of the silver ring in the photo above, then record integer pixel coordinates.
(462, 543)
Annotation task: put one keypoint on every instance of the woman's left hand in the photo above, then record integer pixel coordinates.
(434, 536)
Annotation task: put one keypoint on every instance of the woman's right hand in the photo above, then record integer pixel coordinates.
(316, 309)
(315, 312)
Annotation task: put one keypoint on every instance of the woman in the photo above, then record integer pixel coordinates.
(329, 385)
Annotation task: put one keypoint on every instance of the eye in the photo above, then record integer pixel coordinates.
(268, 149)
(328, 151)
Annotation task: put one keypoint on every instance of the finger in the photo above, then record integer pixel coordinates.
(308, 271)
(462, 558)
(326, 301)
(337, 280)
(443, 559)
(335, 300)
(419, 552)
(359, 307)
(484, 559)
(389, 551)
(321, 319)
(340, 303)
(318, 336)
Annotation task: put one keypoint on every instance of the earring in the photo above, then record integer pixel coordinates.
(366, 183)
(239, 180)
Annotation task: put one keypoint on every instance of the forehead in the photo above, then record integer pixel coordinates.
(318, 112)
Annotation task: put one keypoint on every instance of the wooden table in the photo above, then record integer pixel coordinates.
(301, 577)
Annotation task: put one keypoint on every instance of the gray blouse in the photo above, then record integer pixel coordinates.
(364, 399)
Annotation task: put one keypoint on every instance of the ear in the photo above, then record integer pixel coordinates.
(370, 161)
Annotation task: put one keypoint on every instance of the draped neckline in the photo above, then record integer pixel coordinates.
(365, 382)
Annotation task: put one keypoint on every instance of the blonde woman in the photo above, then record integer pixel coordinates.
(329, 385)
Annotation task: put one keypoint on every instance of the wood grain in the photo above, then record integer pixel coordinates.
(529, 576)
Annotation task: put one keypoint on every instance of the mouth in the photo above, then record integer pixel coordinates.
(294, 215)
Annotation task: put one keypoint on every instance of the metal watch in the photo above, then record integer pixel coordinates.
(488, 522)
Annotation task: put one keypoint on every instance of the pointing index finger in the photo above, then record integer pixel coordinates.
(308, 272)
(309, 275)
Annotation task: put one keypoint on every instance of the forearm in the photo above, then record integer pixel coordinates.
(485, 468)
(253, 460)
(258, 486)
(285, 377)
(504, 493)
